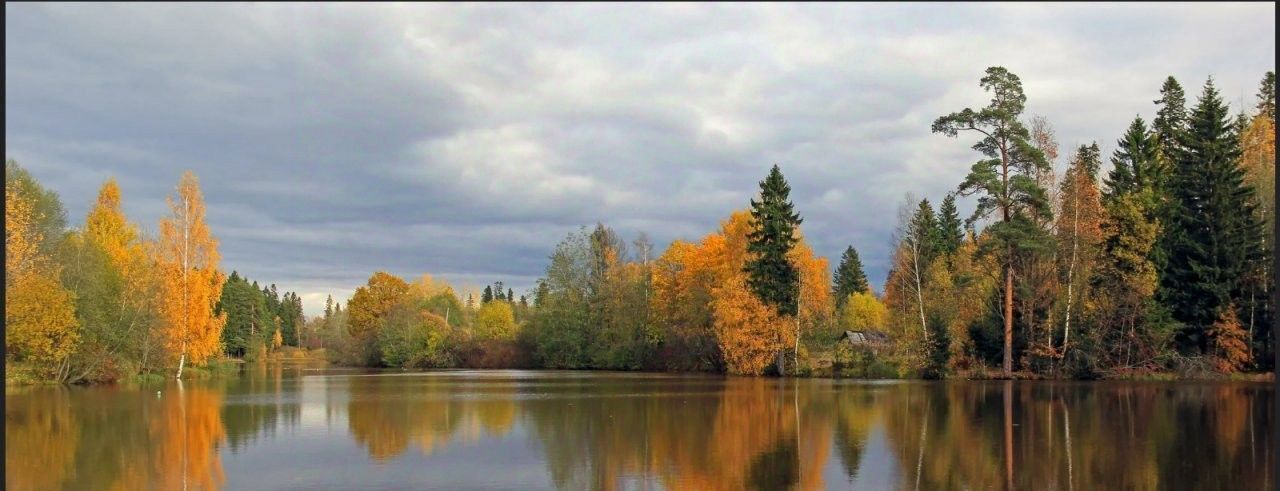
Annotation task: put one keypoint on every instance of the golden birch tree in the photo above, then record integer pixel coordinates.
(191, 282)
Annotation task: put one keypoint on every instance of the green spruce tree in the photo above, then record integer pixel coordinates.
(849, 277)
(1171, 118)
(1212, 236)
(950, 226)
(1267, 96)
(925, 235)
(1135, 164)
(771, 276)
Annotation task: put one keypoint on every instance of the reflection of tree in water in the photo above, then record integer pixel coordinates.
(1078, 437)
(120, 438)
(261, 407)
(777, 468)
(855, 413)
(185, 436)
(387, 414)
(40, 439)
(694, 433)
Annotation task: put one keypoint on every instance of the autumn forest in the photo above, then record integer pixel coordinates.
(1154, 261)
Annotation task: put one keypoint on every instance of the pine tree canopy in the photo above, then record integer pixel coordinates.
(849, 277)
(771, 276)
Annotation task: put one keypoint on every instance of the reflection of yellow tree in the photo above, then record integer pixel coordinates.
(743, 435)
(495, 416)
(40, 439)
(386, 422)
(186, 433)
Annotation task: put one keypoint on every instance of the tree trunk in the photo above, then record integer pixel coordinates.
(1008, 434)
(1008, 262)
(182, 360)
(797, 351)
(915, 260)
(1066, 424)
(1008, 318)
(1075, 246)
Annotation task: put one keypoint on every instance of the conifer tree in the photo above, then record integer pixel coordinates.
(1005, 179)
(1135, 164)
(487, 295)
(950, 227)
(771, 276)
(1267, 97)
(1171, 117)
(925, 234)
(849, 277)
(1212, 234)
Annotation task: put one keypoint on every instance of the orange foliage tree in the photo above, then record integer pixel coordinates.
(1230, 346)
(700, 296)
(750, 333)
(39, 313)
(188, 266)
(370, 303)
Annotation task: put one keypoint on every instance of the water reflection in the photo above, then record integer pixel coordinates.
(273, 424)
(58, 438)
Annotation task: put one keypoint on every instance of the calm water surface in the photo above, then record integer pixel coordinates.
(297, 427)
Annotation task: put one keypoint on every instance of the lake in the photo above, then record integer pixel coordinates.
(283, 426)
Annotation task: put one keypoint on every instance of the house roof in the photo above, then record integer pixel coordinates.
(865, 337)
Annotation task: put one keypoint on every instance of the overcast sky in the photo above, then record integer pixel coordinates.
(465, 141)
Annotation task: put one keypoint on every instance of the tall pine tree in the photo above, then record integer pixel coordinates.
(1213, 235)
(1005, 179)
(849, 277)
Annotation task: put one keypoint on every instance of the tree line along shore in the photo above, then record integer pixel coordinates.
(1159, 268)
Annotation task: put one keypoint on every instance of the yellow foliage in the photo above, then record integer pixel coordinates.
(107, 226)
(750, 333)
(39, 313)
(700, 290)
(863, 311)
(815, 286)
(40, 321)
(41, 437)
(371, 302)
(188, 266)
(1258, 158)
(496, 321)
(21, 239)
(187, 430)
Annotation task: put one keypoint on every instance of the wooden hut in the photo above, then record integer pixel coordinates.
(869, 338)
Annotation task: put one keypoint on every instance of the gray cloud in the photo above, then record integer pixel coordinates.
(466, 140)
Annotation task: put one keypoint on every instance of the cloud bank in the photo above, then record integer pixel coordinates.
(466, 140)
